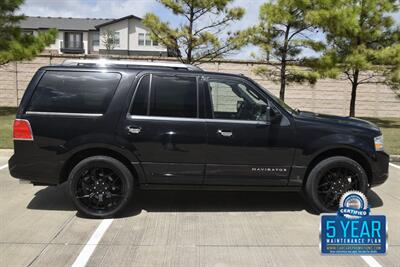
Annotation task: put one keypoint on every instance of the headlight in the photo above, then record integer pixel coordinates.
(379, 143)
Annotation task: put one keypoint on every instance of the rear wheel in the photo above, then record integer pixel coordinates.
(330, 179)
(100, 186)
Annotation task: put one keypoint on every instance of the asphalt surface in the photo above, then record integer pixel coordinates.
(40, 227)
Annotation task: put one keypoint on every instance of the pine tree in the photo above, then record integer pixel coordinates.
(282, 35)
(15, 45)
(362, 42)
(199, 37)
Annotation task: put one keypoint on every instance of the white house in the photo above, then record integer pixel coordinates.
(85, 35)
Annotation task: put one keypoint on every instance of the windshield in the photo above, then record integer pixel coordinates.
(279, 101)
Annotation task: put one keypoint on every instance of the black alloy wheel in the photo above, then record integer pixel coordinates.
(334, 183)
(100, 186)
(330, 179)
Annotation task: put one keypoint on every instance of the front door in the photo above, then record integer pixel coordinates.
(163, 129)
(244, 147)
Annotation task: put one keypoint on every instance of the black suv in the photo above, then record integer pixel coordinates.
(108, 129)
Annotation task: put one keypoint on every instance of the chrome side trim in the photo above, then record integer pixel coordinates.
(238, 121)
(64, 114)
(160, 118)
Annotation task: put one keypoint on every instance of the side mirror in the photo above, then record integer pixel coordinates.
(276, 117)
(271, 116)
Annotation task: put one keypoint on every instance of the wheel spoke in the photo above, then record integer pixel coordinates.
(85, 196)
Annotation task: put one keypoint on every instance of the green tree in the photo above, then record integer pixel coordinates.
(15, 45)
(361, 38)
(108, 39)
(282, 34)
(199, 36)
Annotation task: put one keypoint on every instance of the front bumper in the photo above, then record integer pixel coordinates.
(379, 168)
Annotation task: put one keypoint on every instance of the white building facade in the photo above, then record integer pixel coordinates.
(87, 36)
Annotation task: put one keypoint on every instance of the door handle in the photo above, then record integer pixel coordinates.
(133, 129)
(225, 133)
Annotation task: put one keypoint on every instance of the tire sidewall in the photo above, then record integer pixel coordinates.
(316, 173)
(104, 162)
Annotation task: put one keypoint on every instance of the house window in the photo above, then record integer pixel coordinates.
(95, 39)
(148, 40)
(116, 39)
(73, 40)
(141, 39)
(145, 40)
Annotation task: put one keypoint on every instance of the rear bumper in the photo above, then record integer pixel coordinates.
(380, 168)
(40, 173)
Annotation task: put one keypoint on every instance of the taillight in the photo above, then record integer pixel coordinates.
(22, 130)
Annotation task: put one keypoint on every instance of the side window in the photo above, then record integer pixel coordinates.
(236, 100)
(140, 100)
(74, 92)
(173, 96)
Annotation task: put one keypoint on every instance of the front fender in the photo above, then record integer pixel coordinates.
(335, 141)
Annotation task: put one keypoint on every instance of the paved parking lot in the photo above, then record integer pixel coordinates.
(39, 227)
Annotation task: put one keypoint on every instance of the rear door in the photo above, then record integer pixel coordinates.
(243, 147)
(163, 128)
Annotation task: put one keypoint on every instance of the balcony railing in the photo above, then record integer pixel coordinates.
(71, 47)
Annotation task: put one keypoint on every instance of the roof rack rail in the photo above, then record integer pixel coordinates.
(128, 63)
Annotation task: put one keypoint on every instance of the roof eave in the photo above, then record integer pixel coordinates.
(117, 20)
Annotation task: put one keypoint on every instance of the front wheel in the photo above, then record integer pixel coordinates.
(100, 186)
(330, 179)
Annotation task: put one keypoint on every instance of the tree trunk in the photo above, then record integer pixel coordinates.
(190, 41)
(283, 81)
(354, 93)
(283, 64)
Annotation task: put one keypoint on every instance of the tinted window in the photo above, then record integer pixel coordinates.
(74, 92)
(139, 105)
(173, 96)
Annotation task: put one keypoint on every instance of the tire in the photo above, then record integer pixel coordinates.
(330, 179)
(100, 186)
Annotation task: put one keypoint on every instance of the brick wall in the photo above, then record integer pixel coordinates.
(327, 96)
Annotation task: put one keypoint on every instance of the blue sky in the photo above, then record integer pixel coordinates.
(120, 8)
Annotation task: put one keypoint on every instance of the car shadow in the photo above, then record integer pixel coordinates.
(57, 198)
(52, 198)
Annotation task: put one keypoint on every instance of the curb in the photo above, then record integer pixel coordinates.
(394, 158)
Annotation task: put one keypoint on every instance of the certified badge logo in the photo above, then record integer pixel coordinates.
(353, 230)
(353, 205)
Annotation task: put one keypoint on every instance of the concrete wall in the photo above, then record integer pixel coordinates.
(327, 96)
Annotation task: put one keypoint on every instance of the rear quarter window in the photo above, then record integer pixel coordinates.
(74, 92)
